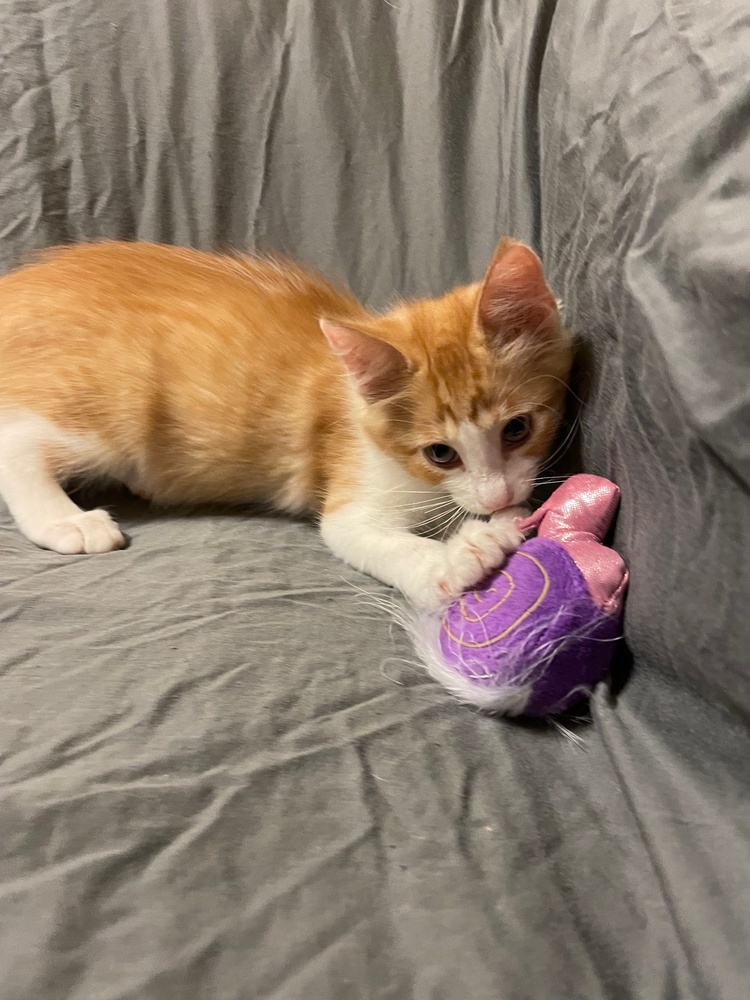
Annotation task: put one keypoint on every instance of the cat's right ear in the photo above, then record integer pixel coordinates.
(515, 298)
(377, 369)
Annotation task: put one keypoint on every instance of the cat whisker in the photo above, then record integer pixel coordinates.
(434, 516)
(562, 448)
(553, 378)
(407, 491)
(419, 498)
(456, 520)
(533, 404)
(569, 735)
(421, 508)
(426, 504)
(431, 520)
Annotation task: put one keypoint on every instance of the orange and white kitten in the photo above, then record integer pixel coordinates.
(195, 377)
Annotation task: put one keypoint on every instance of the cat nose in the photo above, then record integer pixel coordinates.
(494, 497)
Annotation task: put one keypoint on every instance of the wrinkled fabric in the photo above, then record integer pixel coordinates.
(222, 773)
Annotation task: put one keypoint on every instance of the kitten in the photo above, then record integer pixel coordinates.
(194, 377)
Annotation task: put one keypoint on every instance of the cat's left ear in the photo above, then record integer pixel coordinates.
(378, 369)
(514, 297)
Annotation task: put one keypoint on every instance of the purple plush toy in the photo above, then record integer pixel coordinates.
(540, 633)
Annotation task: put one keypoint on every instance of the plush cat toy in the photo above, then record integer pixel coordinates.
(540, 633)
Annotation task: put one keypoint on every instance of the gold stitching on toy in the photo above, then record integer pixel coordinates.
(478, 597)
(521, 618)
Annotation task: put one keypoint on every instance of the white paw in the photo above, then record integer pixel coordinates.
(476, 550)
(499, 532)
(89, 531)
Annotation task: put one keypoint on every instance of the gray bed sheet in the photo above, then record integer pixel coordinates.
(222, 774)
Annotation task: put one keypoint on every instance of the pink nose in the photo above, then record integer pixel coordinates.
(494, 498)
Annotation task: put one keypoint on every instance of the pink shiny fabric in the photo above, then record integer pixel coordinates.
(578, 516)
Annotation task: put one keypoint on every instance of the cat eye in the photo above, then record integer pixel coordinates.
(442, 455)
(517, 430)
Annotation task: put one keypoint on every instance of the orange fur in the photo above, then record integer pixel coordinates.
(206, 376)
(209, 380)
(196, 377)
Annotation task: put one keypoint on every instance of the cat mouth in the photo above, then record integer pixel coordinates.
(517, 499)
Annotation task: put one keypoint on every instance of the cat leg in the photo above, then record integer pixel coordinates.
(39, 505)
(428, 572)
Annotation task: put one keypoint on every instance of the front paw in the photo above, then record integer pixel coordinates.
(84, 532)
(477, 549)
(500, 532)
(469, 557)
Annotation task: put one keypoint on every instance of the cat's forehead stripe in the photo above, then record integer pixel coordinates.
(471, 405)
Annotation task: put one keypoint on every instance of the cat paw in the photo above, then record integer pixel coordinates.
(500, 532)
(89, 531)
(465, 560)
(476, 550)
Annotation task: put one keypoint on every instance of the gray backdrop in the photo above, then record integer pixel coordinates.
(221, 773)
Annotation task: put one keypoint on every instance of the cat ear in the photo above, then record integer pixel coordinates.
(514, 298)
(378, 369)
